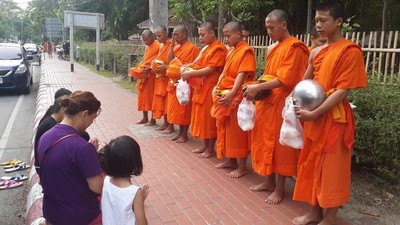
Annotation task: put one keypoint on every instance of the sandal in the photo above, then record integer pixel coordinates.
(9, 184)
(16, 177)
(21, 166)
(11, 163)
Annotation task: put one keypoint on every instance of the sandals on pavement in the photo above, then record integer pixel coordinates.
(8, 184)
(18, 167)
(8, 162)
(11, 163)
(16, 177)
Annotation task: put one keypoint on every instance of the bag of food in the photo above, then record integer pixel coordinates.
(246, 115)
(291, 131)
(183, 92)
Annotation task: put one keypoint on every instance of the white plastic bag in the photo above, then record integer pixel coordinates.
(291, 131)
(183, 92)
(246, 115)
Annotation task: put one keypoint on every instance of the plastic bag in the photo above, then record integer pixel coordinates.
(291, 131)
(183, 92)
(246, 115)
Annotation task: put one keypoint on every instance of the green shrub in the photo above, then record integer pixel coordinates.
(377, 146)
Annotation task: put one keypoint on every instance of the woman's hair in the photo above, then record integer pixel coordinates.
(80, 101)
(61, 92)
(121, 157)
(52, 109)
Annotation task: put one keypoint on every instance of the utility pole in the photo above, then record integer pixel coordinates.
(158, 13)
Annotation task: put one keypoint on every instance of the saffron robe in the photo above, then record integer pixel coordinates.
(159, 105)
(145, 87)
(232, 141)
(177, 113)
(286, 62)
(203, 125)
(325, 160)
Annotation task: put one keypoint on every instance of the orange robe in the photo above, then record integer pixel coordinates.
(325, 160)
(145, 87)
(232, 141)
(177, 113)
(203, 125)
(286, 62)
(160, 86)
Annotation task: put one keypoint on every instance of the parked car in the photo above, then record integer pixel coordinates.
(34, 51)
(15, 68)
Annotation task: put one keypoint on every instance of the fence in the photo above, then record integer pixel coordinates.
(381, 51)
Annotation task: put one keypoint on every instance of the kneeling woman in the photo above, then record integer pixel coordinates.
(70, 171)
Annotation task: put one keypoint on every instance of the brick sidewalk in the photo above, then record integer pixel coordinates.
(184, 188)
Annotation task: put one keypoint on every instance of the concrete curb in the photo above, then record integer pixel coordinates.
(35, 196)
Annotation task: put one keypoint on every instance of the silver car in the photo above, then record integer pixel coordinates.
(34, 51)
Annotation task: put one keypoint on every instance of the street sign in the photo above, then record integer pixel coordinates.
(84, 20)
(54, 28)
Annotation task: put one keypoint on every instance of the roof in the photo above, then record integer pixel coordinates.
(172, 23)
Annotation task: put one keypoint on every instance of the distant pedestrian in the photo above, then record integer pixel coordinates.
(122, 202)
(50, 49)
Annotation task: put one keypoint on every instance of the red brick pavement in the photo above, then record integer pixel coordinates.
(184, 188)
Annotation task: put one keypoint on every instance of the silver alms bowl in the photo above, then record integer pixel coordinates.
(308, 94)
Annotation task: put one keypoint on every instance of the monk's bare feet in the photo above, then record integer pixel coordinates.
(307, 219)
(200, 150)
(275, 198)
(182, 139)
(228, 164)
(151, 123)
(265, 186)
(237, 173)
(163, 127)
(142, 121)
(176, 137)
(207, 154)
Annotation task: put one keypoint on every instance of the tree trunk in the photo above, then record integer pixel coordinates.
(221, 15)
(158, 13)
(384, 15)
(309, 8)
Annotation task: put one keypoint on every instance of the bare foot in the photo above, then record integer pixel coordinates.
(176, 137)
(275, 198)
(207, 154)
(265, 186)
(237, 173)
(163, 127)
(306, 219)
(168, 131)
(227, 164)
(151, 123)
(182, 139)
(142, 121)
(200, 150)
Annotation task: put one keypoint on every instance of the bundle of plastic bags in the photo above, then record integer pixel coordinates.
(246, 115)
(291, 131)
(183, 92)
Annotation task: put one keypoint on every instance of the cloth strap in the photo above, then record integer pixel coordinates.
(54, 144)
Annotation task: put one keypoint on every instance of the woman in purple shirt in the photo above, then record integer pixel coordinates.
(70, 171)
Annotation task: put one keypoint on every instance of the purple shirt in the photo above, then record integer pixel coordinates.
(64, 169)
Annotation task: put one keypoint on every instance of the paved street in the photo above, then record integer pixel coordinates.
(184, 188)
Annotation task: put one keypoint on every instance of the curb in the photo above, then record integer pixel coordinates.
(34, 203)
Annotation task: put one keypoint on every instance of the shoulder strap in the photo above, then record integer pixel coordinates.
(54, 144)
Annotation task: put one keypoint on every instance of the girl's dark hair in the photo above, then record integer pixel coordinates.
(61, 92)
(80, 101)
(122, 157)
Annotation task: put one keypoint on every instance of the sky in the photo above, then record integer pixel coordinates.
(22, 3)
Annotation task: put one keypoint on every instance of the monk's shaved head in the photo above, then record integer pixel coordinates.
(233, 26)
(280, 15)
(180, 34)
(181, 29)
(207, 26)
(147, 33)
(162, 28)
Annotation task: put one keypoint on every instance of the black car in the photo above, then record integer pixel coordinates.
(15, 68)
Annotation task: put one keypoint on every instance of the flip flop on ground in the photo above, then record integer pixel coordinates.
(21, 166)
(16, 177)
(8, 184)
(12, 164)
(8, 162)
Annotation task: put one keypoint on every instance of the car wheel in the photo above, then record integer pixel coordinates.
(40, 61)
(27, 90)
(31, 81)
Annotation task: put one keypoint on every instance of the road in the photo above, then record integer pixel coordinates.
(16, 125)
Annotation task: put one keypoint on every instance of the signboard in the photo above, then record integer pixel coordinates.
(84, 20)
(54, 28)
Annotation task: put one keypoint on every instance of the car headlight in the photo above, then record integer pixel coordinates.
(21, 69)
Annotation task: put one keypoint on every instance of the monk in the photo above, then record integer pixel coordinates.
(159, 106)
(323, 179)
(245, 33)
(316, 39)
(208, 65)
(232, 141)
(145, 86)
(184, 52)
(285, 65)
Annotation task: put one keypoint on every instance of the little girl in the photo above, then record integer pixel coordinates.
(122, 202)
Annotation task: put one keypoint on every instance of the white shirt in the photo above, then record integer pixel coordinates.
(116, 204)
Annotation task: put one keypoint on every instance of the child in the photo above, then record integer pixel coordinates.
(122, 202)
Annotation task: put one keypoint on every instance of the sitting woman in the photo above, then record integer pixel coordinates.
(70, 172)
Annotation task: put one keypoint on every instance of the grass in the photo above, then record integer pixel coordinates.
(121, 80)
